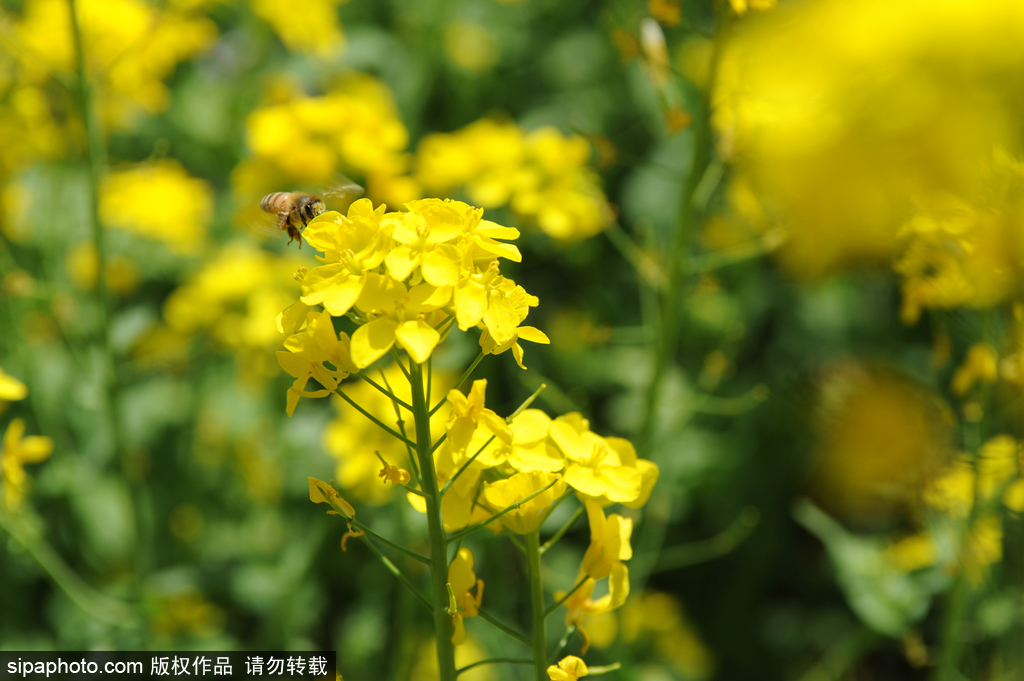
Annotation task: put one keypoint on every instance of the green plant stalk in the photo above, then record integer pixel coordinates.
(435, 528)
(94, 165)
(682, 240)
(540, 646)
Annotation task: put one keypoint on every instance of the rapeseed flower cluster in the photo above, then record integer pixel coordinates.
(16, 450)
(991, 480)
(870, 150)
(234, 298)
(302, 141)
(131, 46)
(543, 176)
(404, 278)
(159, 201)
(291, 21)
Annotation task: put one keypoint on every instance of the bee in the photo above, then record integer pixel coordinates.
(294, 210)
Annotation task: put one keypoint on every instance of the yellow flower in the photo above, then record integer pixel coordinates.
(131, 46)
(393, 474)
(321, 492)
(599, 467)
(461, 579)
(305, 352)
(842, 154)
(11, 389)
(570, 668)
(529, 515)
(609, 545)
(981, 364)
(352, 247)
(16, 452)
(292, 19)
(468, 415)
(741, 6)
(580, 603)
(520, 302)
(395, 314)
(544, 176)
(159, 201)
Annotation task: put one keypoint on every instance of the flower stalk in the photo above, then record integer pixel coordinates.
(443, 629)
(540, 648)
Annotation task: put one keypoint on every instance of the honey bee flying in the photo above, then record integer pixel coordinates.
(294, 210)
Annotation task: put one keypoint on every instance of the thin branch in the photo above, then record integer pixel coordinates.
(508, 630)
(563, 599)
(401, 427)
(458, 385)
(399, 575)
(440, 441)
(494, 660)
(412, 554)
(466, 465)
(373, 418)
(387, 393)
(565, 528)
(398, 360)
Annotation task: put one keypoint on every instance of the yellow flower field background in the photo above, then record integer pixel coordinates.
(650, 339)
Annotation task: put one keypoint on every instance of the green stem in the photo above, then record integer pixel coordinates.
(379, 423)
(494, 660)
(412, 554)
(435, 528)
(94, 151)
(563, 599)
(387, 393)
(393, 569)
(508, 630)
(458, 385)
(565, 528)
(92, 602)
(540, 646)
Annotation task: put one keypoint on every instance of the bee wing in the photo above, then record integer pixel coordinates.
(262, 223)
(342, 193)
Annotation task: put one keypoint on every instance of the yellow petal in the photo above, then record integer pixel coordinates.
(334, 287)
(11, 389)
(470, 303)
(371, 341)
(529, 333)
(401, 262)
(500, 318)
(441, 266)
(418, 338)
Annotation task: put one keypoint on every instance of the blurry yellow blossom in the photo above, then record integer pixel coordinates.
(470, 46)
(308, 26)
(529, 515)
(18, 450)
(304, 142)
(235, 296)
(913, 553)
(543, 175)
(159, 201)
(461, 578)
(569, 668)
(881, 436)
(122, 277)
(130, 46)
(187, 613)
(470, 651)
(660, 615)
(841, 137)
(981, 364)
(667, 12)
(11, 389)
(741, 6)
